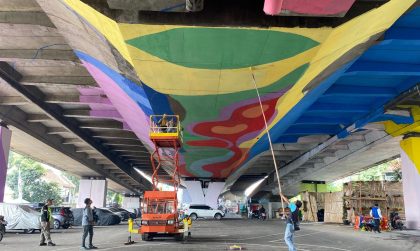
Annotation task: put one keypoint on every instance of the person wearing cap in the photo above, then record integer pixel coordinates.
(46, 218)
(292, 221)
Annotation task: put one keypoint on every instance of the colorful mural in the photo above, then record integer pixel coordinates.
(205, 74)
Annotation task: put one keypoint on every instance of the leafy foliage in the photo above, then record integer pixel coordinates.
(33, 187)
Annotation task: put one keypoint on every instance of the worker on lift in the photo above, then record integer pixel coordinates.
(163, 123)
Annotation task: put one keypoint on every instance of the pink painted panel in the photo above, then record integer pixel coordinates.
(308, 7)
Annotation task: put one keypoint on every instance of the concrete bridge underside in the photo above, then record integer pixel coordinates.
(61, 114)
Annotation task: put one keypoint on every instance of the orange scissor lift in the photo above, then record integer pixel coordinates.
(159, 212)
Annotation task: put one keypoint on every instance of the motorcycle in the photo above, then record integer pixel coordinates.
(396, 221)
(256, 214)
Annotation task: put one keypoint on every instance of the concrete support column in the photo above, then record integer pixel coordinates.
(207, 195)
(5, 137)
(94, 189)
(410, 157)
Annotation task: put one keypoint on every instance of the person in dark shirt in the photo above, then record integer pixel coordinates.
(46, 218)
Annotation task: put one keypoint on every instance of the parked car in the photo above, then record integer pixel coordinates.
(124, 214)
(63, 217)
(105, 217)
(203, 211)
(20, 217)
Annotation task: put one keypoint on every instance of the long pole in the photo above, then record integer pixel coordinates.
(269, 139)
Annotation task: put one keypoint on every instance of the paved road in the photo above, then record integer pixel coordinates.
(219, 235)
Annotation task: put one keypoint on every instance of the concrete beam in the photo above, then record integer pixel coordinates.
(85, 149)
(108, 124)
(19, 5)
(122, 142)
(115, 134)
(48, 54)
(16, 117)
(71, 141)
(38, 118)
(105, 114)
(57, 130)
(76, 99)
(104, 162)
(25, 17)
(62, 80)
(13, 100)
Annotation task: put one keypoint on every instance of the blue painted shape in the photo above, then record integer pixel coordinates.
(294, 114)
(395, 118)
(359, 91)
(404, 33)
(343, 134)
(134, 90)
(318, 120)
(385, 68)
(344, 108)
(355, 93)
(158, 101)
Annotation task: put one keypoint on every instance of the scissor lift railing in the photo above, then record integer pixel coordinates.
(165, 133)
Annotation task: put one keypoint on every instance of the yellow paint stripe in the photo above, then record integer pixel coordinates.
(400, 129)
(411, 147)
(106, 26)
(175, 79)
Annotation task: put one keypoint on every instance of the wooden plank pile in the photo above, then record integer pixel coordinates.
(310, 207)
(334, 207)
(363, 195)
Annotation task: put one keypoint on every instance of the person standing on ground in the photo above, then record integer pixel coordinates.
(87, 223)
(375, 213)
(46, 218)
(292, 221)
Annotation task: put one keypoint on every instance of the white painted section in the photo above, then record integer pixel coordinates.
(195, 192)
(411, 188)
(213, 192)
(93, 189)
(131, 203)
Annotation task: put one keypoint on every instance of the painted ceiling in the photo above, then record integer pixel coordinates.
(205, 75)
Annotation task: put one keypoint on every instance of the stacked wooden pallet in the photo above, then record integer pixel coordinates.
(310, 207)
(334, 207)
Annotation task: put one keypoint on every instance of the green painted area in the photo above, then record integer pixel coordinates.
(198, 111)
(209, 107)
(222, 48)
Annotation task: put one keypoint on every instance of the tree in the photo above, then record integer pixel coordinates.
(114, 198)
(32, 188)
